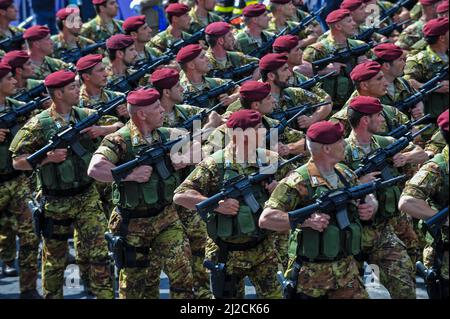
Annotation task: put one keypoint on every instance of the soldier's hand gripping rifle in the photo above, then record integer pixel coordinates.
(70, 135)
(402, 130)
(394, 9)
(73, 55)
(308, 84)
(201, 99)
(267, 46)
(306, 21)
(234, 73)
(441, 75)
(130, 82)
(289, 113)
(27, 95)
(411, 101)
(343, 55)
(437, 287)
(336, 201)
(9, 120)
(189, 123)
(378, 160)
(241, 187)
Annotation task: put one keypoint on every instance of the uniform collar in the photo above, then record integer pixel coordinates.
(136, 136)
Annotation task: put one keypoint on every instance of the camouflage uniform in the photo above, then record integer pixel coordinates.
(422, 67)
(431, 185)
(290, 26)
(334, 277)
(297, 78)
(15, 218)
(14, 31)
(164, 40)
(411, 35)
(97, 32)
(61, 45)
(82, 209)
(436, 144)
(160, 236)
(390, 237)
(302, 15)
(393, 117)
(247, 44)
(48, 66)
(149, 53)
(197, 23)
(234, 60)
(338, 87)
(258, 259)
(208, 84)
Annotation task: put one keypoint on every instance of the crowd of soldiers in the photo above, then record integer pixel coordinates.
(90, 118)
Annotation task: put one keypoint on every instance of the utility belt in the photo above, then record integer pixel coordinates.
(8, 177)
(66, 192)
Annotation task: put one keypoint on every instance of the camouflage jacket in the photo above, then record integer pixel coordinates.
(61, 45)
(14, 30)
(247, 44)
(149, 53)
(393, 117)
(402, 90)
(208, 84)
(87, 101)
(436, 144)
(48, 66)
(411, 35)
(234, 59)
(197, 23)
(180, 113)
(98, 32)
(164, 40)
(302, 15)
(297, 78)
(290, 26)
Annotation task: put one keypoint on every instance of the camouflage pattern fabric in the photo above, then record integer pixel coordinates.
(98, 32)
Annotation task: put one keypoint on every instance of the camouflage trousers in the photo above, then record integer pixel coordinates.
(281, 250)
(168, 248)
(14, 195)
(333, 280)
(260, 264)
(383, 248)
(404, 229)
(8, 233)
(89, 221)
(195, 229)
(428, 258)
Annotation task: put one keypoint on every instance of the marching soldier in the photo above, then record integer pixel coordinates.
(8, 14)
(179, 21)
(103, 25)
(255, 33)
(442, 9)
(202, 15)
(234, 238)
(145, 217)
(426, 193)
(390, 237)
(68, 197)
(320, 265)
(69, 25)
(122, 55)
(40, 47)
(342, 28)
(369, 80)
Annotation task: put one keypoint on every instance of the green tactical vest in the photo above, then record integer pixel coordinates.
(152, 195)
(244, 226)
(331, 244)
(72, 173)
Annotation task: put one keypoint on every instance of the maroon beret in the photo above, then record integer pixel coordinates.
(428, 2)
(366, 104)
(16, 58)
(63, 13)
(119, 42)
(442, 121)
(388, 51)
(337, 15)
(365, 71)
(88, 61)
(36, 32)
(218, 29)
(254, 10)
(436, 27)
(280, 1)
(325, 132)
(98, 1)
(285, 43)
(5, 4)
(443, 7)
(254, 91)
(143, 97)
(165, 78)
(177, 9)
(272, 61)
(188, 53)
(134, 23)
(244, 119)
(351, 5)
(4, 69)
(59, 79)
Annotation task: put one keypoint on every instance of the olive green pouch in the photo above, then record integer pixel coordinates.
(342, 87)
(245, 220)
(224, 226)
(150, 191)
(5, 157)
(353, 240)
(66, 171)
(48, 175)
(293, 243)
(170, 184)
(331, 241)
(131, 195)
(310, 243)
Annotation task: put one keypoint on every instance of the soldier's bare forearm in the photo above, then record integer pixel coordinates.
(188, 199)
(100, 169)
(416, 156)
(275, 220)
(20, 163)
(322, 113)
(415, 207)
